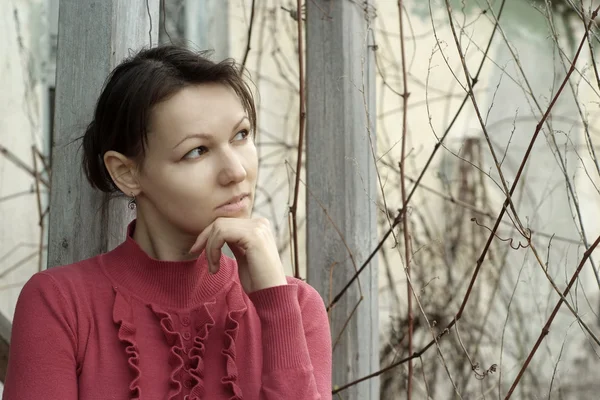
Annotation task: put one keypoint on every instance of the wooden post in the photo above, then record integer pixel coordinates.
(341, 177)
(172, 21)
(207, 26)
(5, 330)
(94, 36)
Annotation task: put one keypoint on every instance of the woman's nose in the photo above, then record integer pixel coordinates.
(232, 168)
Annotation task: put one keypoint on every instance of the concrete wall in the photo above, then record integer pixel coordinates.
(23, 124)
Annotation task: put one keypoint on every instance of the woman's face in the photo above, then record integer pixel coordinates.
(200, 156)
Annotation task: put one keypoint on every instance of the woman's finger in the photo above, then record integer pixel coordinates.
(228, 231)
(232, 231)
(214, 243)
(200, 242)
(237, 250)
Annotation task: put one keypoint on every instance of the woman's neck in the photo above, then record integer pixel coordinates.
(169, 283)
(162, 241)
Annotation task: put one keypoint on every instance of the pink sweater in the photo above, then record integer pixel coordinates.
(125, 326)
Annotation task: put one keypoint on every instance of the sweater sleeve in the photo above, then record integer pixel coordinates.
(42, 353)
(296, 343)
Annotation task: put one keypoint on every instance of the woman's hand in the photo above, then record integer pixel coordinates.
(252, 243)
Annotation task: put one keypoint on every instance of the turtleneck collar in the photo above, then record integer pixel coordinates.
(174, 284)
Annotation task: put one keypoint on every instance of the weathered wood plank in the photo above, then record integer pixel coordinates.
(93, 37)
(340, 174)
(207, 26)
(5, 330)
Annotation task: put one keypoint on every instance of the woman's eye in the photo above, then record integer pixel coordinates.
(197, 152)
(241, 135)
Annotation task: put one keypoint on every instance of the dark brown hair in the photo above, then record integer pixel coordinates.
(151, 76)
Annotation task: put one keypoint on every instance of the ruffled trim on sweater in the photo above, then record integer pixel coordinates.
(237, 308)
(123, 316)
(204, 322)
(203, 325)
(174, 340)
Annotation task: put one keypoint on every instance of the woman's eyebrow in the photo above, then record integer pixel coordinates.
(206, 135)
(192, 136)
(239, 122)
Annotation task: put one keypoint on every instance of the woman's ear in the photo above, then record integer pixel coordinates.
(123, 172)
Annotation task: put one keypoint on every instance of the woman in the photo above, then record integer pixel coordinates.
(165, 315)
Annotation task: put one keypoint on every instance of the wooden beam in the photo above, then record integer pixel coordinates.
(341, 178)
(94, 36)
(5, 329)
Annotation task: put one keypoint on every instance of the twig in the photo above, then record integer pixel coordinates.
(13, 285)
(18, 194)
(504, 326)
(399, 362)
(39, 207)
(546, 328)
(249, 36)
(487, 214)
(42, 158)
(491, 236)
(406, 233)
(398, 218)
(341, 236)
(591, 47)
(508, 201)
(18, 264)
(339, 337)
(164, 20)
(424, 378)
(551, 138)
(12, 157)
(571, 189)
(301, 128)
(562, 349)
(474, 366)
(331, 285)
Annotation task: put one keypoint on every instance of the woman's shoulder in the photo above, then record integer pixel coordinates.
(74, 277)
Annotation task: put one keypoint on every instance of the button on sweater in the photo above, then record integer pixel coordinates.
(125, 326)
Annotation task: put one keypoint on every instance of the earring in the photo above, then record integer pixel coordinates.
(131, 204)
